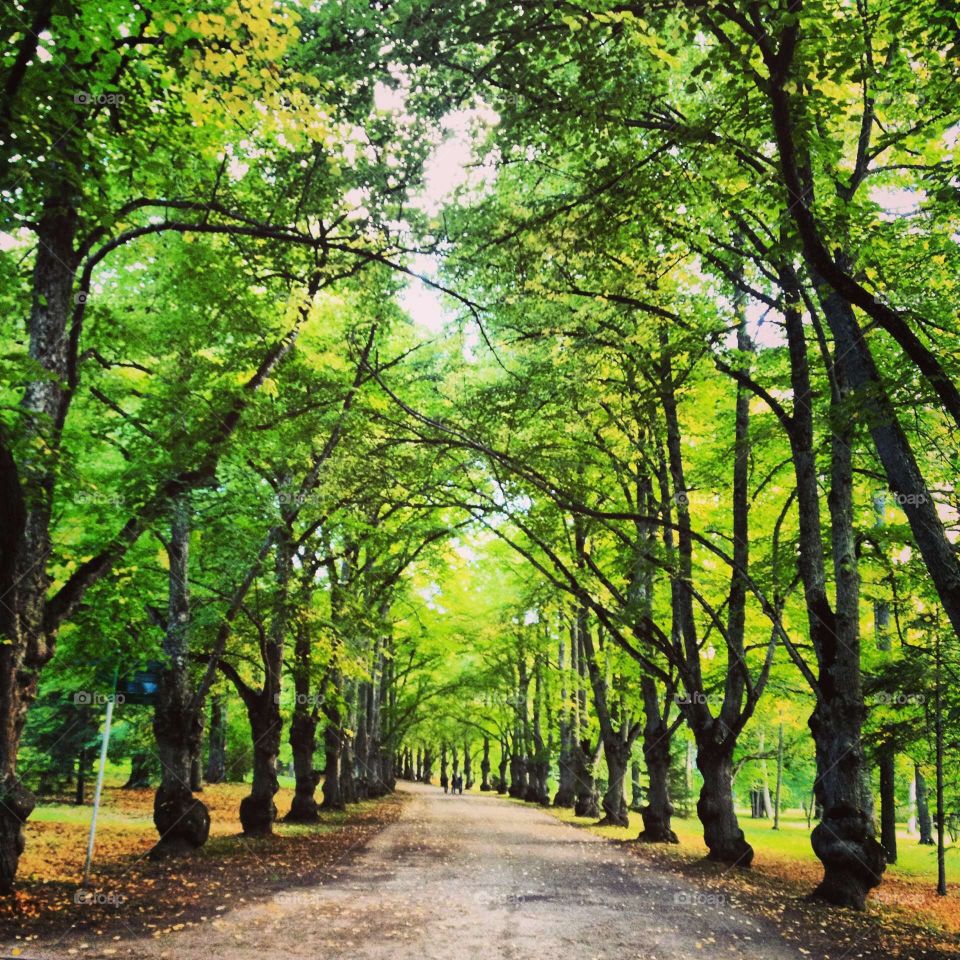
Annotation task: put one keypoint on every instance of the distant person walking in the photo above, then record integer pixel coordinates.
(444, 782)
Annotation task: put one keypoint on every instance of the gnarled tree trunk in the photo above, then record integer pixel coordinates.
(658, 810)
(182, 821)
(721, 830)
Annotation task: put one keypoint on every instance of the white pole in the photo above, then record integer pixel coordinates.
(99, 790)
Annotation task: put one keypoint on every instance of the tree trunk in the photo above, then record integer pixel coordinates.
(348, 763)
(518, 772)
(924, 821)
(303, 744)
(539, 766)
(615, 813)
(257, 810)
(182, 821)
(467, 766)
(564, 794)
(196, 773)
(721, 831)
(140, 772)
(853, 861)
(504, 761)
(776, 800)
(888, 802)
(26, 498)
(485, 766)
(658, 810)
(586, 801)
(332, 797)
(83, 768)
(636, 790)
(217, 741)
(427, 765)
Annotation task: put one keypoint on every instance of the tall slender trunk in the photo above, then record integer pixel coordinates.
(217, 741)
(258, 812)
(924, 821)
(853, 861)
(776, 799)
(332, 797)
(564, 795)
(716, 736)
(83, 770)
(539, 766)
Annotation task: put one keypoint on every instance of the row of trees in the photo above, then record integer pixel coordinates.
(705, 404)
(719, 412)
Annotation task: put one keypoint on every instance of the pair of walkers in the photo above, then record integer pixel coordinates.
(455, 785)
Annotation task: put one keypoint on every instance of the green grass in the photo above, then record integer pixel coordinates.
(790, 842)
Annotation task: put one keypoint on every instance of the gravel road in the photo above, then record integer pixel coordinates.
(480, 878)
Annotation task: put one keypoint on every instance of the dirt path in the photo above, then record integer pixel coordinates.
(477, 877)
